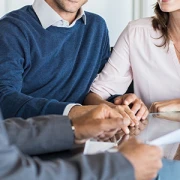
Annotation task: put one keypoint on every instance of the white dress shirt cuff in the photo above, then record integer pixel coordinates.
(69, 107)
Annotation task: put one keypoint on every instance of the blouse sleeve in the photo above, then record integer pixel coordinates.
(116, 76)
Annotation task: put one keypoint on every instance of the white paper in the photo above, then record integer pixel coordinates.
(171, 138)
(93, 147)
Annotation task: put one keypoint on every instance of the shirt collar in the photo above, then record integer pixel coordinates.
(48, 17)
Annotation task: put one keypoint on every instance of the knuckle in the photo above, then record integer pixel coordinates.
(124, 106)
(133, 95)
(103, 106)
(139, 100)
(125, 116)
(131, 114)
(121, 122)
(156, 106)
(129, 94)
(155, 103)
(159, 109)
(126, 122)
(118, 97)
(136, 105)
(117, 107)
(121, 107)
(143, 108)
(100, 107)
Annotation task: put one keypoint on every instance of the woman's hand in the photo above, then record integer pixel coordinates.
(165, 106)
(137, 106)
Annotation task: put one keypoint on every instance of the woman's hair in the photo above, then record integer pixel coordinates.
(160, 22)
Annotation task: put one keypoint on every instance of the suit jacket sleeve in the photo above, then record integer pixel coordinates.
(15, 165)
(42, 134)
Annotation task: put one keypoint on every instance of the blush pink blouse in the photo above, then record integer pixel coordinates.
(136, 55)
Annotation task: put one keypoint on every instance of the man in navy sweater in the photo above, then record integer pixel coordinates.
(50, 54)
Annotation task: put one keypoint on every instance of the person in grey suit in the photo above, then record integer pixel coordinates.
(133, 161)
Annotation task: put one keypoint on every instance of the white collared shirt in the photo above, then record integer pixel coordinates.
(49, 17)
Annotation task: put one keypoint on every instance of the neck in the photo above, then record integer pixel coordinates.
(68, 16)
(174, 25)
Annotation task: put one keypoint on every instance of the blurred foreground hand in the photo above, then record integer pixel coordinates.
(145, 159)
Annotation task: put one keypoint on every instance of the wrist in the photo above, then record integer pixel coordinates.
(72, 126)
(74, 111)
(74, 129)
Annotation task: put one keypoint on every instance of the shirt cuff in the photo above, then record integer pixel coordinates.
(68, 108)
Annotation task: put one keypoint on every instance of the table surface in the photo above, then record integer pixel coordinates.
(156, 125)
(159, 124)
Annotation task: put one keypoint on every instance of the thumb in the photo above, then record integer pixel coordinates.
(118, 100)
(129, 99)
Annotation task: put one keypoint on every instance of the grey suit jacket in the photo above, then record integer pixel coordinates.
(16, 166)
(39, 135)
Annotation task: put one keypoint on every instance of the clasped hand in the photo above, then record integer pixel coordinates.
(100, 122)
(131, 107)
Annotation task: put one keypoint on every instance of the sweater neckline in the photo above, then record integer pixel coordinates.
(62, 29)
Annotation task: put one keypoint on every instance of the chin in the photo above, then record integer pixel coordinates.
(72, 10)
(166, 9)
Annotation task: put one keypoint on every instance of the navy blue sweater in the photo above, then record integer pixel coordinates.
(43, 70)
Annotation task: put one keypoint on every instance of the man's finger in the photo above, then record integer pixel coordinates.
(126, 114)
(115, 123)
(110, 134)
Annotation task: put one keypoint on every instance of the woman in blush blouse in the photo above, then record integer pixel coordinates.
(147, 52)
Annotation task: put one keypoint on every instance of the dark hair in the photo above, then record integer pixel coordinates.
(160, 22)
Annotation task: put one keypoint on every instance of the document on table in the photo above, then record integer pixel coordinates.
(94, 147)
(171, 138)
